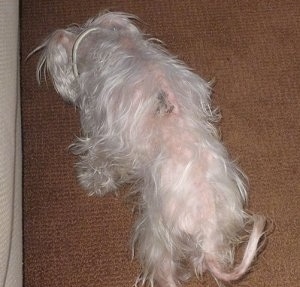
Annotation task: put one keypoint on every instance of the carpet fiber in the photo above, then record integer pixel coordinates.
(251, 49)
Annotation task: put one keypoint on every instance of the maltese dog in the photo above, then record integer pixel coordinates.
(147, 120)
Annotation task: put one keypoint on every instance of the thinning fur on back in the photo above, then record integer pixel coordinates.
(147, 120)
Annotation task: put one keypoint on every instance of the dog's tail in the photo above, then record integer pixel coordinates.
(249, 254)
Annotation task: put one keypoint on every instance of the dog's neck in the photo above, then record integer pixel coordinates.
(77, 42)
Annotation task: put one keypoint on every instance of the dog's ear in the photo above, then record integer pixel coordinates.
(57, 60)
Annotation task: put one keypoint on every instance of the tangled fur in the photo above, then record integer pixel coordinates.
(147, 120)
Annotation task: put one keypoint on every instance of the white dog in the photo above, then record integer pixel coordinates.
(147, 120)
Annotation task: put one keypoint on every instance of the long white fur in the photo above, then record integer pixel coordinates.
(147, 120)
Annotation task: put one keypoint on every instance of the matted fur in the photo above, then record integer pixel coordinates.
(147, 119)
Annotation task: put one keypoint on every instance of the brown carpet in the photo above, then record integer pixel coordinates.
(252, 49)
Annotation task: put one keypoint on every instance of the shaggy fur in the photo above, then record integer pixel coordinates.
(147, 120)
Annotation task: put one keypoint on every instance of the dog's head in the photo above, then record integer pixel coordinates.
(67, 53)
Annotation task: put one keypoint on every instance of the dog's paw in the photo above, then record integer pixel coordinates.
(97, 180)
